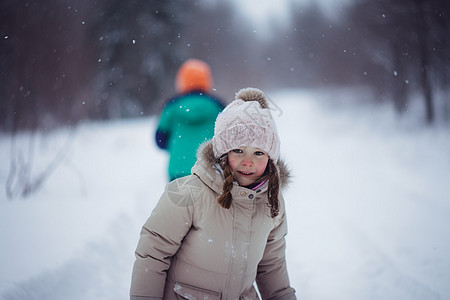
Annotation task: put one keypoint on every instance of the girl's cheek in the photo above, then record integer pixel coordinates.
(232, 163)
(262, 168)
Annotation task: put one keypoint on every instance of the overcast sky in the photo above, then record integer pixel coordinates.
(265, 13)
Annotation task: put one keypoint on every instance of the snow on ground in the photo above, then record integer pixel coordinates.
(368, 209)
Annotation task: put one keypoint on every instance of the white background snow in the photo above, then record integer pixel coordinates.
(368, 209)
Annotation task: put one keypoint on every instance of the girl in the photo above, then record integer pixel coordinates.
(215, 232)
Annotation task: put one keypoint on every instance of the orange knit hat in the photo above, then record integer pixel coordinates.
(193, 74)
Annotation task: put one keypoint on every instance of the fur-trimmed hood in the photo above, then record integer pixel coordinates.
(210, 172)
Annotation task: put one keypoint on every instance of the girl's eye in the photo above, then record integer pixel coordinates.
(237, 151)
(259, 153)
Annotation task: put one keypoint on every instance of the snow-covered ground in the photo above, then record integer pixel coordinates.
(368, 210)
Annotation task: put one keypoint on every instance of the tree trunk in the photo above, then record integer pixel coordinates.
(424, 61)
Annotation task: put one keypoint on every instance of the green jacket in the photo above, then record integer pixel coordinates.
(186, 122)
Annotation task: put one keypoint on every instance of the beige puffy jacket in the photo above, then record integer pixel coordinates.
(192, 248)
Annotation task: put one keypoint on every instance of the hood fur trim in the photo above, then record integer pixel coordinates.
(205, 155)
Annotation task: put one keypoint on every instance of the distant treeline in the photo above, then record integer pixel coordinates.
(62, 62)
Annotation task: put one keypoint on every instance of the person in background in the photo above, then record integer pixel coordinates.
(187, 120)
(215, 233)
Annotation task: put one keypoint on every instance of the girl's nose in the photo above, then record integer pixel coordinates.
(247, 162)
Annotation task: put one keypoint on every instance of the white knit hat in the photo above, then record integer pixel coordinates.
(246, 122)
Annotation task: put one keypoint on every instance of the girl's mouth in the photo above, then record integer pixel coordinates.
(245, 173)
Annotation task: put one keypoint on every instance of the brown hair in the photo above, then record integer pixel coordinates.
(271, 174)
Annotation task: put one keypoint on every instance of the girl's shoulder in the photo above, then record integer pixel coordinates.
(185, 190)
(186, 183)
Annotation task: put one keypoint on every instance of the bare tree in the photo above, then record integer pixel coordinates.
(412, 35)
(46, 64)
(23, 177)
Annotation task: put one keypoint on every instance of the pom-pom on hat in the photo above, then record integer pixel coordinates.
(194, 74)
(246, 122)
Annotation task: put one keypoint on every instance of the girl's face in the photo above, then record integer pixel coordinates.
(248, 164)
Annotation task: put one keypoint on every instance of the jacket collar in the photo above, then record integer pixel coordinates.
(207, 169)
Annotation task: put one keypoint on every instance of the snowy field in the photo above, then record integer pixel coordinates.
(368, 209)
